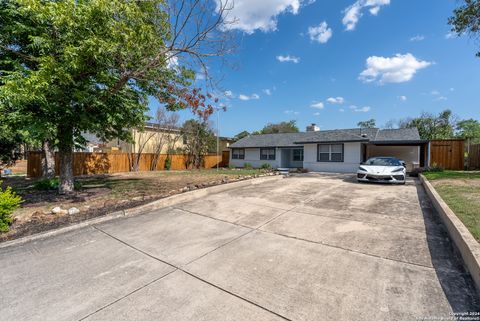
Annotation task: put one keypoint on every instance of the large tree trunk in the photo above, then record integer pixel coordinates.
(66, 183)
(65, 151)
(48, 162)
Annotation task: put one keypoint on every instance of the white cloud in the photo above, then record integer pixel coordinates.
(417, 38)
(452, 89)
(336, 100)
(396, 69)
(435, 92)
(441, 98)
(402, 98)
(353, 13)
(318, 105)
(172, 62)
(360, 109)
(321, 33)
(267, 92)
(450, 35)
(246, 97)
(291, 112)
(316, 114)
(341, 110)
(288, 58)
(251, 15)
(229, 94)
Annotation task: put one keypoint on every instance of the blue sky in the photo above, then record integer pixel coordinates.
(394, 61)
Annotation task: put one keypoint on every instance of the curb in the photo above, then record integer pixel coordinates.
(468, 247)
(155, 205)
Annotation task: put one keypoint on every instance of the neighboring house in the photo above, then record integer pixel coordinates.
(224, 143)
(339, 150)
(147, 140)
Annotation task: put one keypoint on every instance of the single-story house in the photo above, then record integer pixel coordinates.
(340, 150)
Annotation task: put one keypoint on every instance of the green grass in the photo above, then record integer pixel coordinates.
(452, 175)
(465, 202)
(463, 197)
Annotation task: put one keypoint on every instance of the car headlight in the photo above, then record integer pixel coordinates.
(362, 169)
(400, 169)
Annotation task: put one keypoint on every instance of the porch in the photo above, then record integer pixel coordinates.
(291, 157)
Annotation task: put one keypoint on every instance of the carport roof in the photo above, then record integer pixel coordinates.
(373, 135)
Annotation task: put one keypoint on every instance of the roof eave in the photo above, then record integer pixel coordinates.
(335, 141)
(399, 142)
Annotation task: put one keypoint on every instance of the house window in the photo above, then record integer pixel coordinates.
(298, 155)
(238, 153)
(267, 153)
(330, 153)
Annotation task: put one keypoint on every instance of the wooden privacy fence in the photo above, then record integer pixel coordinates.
(474, 156)
(108, 163)
(448, 154)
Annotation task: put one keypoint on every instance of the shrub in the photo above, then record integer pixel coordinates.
(266, 166)
(46, 184)
(432, 169)
(9, 201)
(247, 166)
(50, 184)
(231, 166)
(168, 163)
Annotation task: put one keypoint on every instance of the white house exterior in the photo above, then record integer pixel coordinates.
(339, 151)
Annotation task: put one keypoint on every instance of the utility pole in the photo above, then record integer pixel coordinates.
(218, 135)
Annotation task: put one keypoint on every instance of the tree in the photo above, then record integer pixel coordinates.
(199, 139)
(282, 127)
(241, 135)
(167, 126)
(431, 126)
(9, 143)
(90, 65)
(466, 19)
(469, 128)
(367, 123)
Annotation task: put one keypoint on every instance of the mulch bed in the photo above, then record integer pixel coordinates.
(42, 222)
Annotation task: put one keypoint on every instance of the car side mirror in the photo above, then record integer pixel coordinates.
(404, 164)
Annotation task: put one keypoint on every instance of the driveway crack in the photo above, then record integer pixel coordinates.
(179, 268)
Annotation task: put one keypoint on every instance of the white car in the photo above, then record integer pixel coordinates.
(382, 169)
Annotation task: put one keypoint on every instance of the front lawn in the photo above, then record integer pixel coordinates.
(102, 194)
(461, 191)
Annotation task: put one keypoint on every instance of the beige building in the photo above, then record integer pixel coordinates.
(150, 140)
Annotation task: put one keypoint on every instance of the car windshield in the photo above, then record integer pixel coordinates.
(379, 161)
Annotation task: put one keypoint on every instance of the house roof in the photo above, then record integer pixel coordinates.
(373, 135)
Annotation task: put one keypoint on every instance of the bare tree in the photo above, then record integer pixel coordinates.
(140, 137)
(197, 32)
(198, 35)
(166, 125)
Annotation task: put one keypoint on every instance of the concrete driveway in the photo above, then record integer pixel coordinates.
(315, 247)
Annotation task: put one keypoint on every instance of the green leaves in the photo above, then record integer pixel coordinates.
(85, 65)
(9, 201)
(466, 19)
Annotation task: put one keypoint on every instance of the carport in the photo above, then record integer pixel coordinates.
(414, 153)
